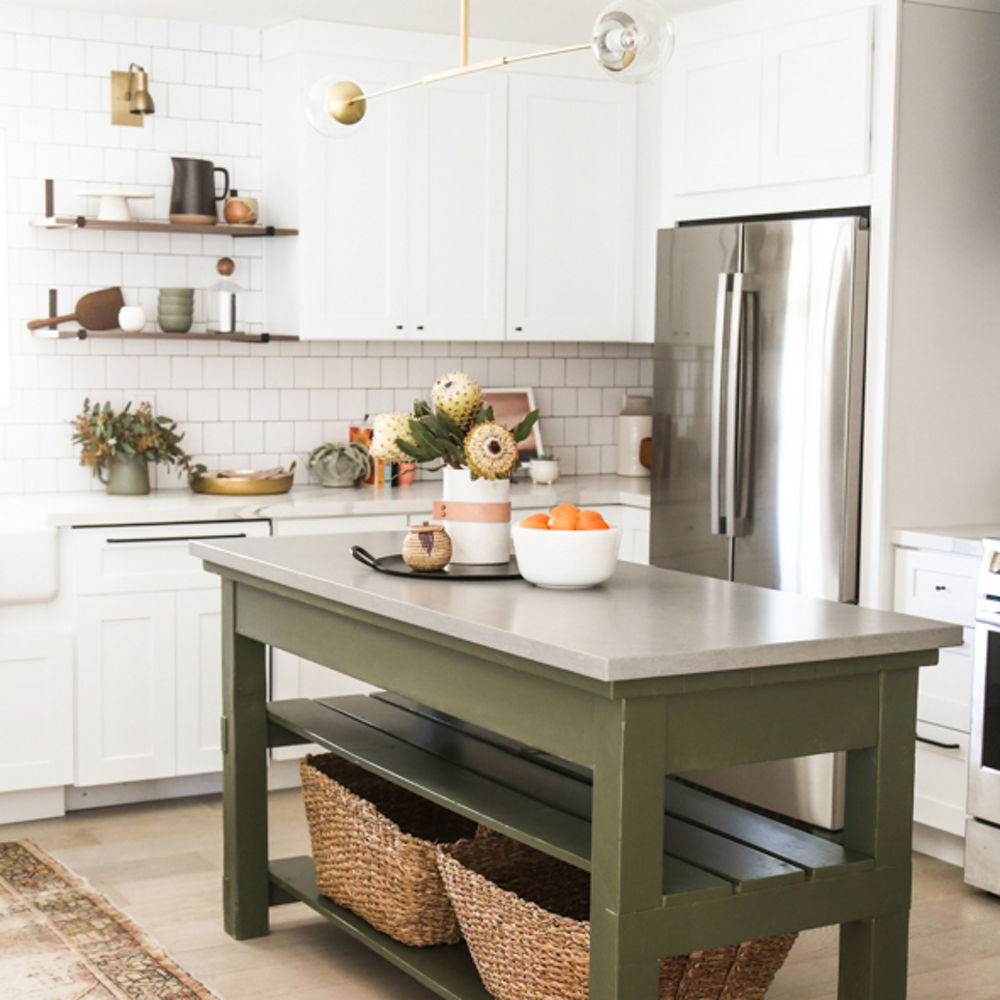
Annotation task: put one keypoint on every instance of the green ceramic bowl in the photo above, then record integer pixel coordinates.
(174, 325)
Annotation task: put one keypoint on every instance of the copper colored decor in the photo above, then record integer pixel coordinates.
(60, 940)
(523, 916)
(373, 849)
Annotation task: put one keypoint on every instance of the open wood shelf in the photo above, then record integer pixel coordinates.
(445, 969)
(249, 338)
(152, 226)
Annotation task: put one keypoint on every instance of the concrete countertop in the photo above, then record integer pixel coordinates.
(643, 622)
(966, 539)
(97, 508)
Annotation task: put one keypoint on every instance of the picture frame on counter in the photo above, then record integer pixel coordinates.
(510, 407)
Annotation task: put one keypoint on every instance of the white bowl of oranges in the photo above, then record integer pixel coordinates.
(567, 548)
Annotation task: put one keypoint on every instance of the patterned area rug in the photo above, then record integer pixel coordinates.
(60, 940)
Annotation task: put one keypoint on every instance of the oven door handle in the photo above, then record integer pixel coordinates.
(936, 743)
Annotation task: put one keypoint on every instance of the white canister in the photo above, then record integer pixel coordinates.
(131, 319)
(635, 424)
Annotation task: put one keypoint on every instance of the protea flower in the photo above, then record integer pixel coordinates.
(490, 450)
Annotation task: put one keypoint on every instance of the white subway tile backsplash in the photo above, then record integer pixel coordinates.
(119, 28)
(32, 52)
(122, 373)
(203, 404)
(265, 404)
(216, 37)
(199, 68)
(183, 35)
(248, 436)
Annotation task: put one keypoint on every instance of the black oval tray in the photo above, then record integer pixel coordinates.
(395, 566)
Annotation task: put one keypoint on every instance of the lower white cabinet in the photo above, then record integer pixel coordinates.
(36, 710)
(634, 522)
(941, 585)
(148, 652)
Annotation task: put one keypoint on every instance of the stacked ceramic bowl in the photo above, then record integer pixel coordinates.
(175, 309)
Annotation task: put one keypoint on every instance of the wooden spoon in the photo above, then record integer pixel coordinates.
(94, 311)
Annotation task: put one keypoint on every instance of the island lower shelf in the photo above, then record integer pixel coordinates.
(445, 969)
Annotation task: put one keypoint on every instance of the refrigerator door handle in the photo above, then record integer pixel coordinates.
(725, 286)
(733, 402)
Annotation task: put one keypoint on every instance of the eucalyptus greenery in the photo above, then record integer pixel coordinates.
(436, 437)
(106, 437)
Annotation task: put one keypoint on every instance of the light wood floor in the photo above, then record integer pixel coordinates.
(161, 862)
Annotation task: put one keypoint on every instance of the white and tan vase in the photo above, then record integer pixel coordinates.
(477, 516)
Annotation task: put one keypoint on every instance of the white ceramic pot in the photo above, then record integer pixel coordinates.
(465, 504)
(543, 471)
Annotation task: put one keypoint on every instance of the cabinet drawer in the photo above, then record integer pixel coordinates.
(937, 585)
(946, 688)
(145, 557)
(941, 776)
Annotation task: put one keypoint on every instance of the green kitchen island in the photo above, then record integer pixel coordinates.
(651, 674)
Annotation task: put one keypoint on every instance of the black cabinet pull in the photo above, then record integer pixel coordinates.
(399, 326)
(935, 743)
(939, 587)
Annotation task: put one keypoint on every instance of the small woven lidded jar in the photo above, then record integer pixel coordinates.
(426, 546)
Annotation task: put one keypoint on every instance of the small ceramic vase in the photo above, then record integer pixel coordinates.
(426, 547)
(543, 471)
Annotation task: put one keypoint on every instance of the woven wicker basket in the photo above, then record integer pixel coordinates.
(523, 916)
(373, 849)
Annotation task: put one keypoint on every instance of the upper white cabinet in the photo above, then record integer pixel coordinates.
(500, 204)
(785, 105)
(815, 96)
(572, 209)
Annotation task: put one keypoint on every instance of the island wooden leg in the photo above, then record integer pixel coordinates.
(879, 822)
(244, 777)
(626, 849)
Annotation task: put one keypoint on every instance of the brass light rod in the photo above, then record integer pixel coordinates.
(466, 69)
(463, 51)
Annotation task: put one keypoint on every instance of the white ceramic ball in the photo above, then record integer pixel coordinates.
(131, 319)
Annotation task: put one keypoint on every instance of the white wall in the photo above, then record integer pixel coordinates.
(943, 466)
(239, 404)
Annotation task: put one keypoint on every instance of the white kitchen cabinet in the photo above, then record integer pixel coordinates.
(147, 651)
(815, 98)
(785, 105)
(402, 219)
(36, 710)
(293, 676)
(941, 585)
(571, 224)
(634, 524)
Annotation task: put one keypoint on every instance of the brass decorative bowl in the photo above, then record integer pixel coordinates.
(245, 482)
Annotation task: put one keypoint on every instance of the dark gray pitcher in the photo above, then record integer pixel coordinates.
(193, 197)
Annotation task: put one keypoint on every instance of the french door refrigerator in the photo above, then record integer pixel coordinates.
(756, 473)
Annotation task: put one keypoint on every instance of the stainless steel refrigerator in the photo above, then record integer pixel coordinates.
(758, 389)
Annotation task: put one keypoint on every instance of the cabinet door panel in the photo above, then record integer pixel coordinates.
(352, 241)
(570, 253)
(36, 711)
(199, 681)
(816, 98)
(714, 138)
(125, 688)
(458, 203)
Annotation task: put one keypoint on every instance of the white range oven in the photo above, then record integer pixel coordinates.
(982, 834)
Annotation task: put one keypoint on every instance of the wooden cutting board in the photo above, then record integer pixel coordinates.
(94, 311)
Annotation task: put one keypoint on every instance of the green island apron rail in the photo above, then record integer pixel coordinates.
(601, 684)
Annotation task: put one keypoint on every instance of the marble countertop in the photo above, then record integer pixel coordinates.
(644, 622)
(965, 539)
(96, 507)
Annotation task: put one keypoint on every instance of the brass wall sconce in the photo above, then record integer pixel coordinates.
(130, 99)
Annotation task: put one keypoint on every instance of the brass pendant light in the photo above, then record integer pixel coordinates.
(633, 37)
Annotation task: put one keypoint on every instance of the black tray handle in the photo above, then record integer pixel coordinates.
(364, 556)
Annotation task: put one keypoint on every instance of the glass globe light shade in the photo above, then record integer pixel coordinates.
(634, 38)
(330, 110)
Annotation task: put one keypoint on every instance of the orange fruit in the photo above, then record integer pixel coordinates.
(590, 520)
(536, 521)
(564, 518)
(567, 507)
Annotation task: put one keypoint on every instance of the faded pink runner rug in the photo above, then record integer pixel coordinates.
(61, 940)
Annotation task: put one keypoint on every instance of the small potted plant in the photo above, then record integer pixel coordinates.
(340, 464)
(123, 444)
(544, 470)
